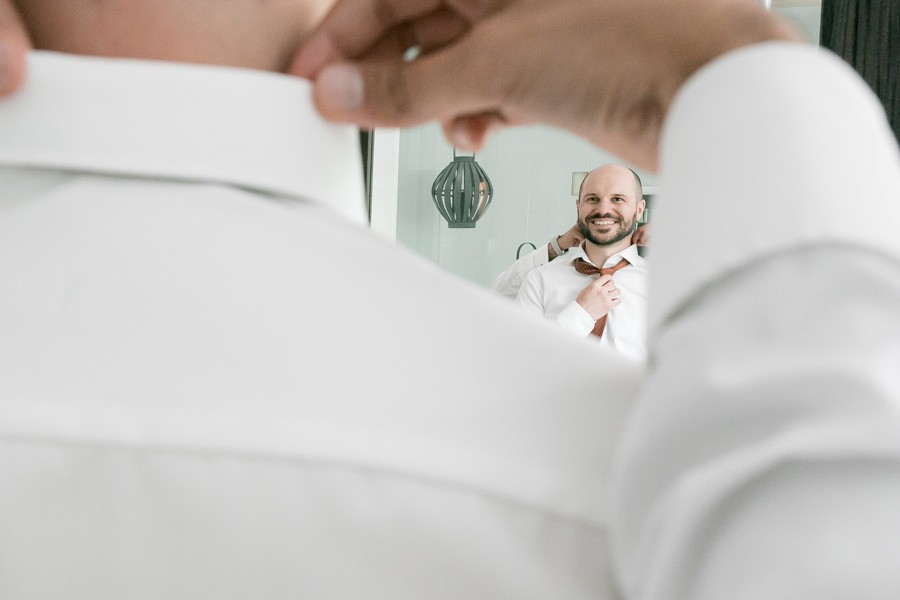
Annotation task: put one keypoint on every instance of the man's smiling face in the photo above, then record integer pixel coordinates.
(609, 205)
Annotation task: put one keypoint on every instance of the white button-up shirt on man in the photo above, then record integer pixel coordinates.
(763, 459)
(550, 291)
(195, 403)
(215, 382)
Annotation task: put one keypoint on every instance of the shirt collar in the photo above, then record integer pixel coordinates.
(630, 254)
(250, 129)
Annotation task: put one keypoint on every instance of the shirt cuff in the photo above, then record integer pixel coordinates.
(576, 319)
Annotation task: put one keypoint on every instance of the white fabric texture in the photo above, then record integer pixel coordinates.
(763, 457)
(550, 291)
(509, 282)
(197, 402)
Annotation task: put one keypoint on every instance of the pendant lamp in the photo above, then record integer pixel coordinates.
(462, 192)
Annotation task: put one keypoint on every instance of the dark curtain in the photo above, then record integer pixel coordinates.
(866, 33)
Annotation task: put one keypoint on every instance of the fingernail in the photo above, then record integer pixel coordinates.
(341, 86)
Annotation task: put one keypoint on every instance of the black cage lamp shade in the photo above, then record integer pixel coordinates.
(462, 192)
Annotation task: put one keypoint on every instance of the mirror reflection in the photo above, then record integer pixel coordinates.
(532, 170)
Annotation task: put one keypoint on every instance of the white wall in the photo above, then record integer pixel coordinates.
(807, 19)
(385, 178)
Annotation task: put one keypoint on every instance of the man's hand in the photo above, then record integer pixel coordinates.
(14, 43)
(599, 297)
(571, 238)
(641, 235)
(606, 71)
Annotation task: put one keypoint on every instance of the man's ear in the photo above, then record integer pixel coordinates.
(642, 204)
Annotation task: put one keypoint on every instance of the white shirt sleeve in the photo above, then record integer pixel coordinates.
(763, 461)
(530, 294)
(572, 318)
(508, 282)
(575, 319)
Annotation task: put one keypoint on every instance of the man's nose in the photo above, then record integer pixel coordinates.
(607, 207)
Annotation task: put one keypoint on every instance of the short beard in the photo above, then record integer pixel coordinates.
(626, 230)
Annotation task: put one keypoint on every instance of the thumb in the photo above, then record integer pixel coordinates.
(400, 93)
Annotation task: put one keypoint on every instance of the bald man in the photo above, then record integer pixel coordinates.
(598, 290)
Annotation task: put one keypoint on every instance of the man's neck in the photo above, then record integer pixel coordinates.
(239, 33)
(598, 254)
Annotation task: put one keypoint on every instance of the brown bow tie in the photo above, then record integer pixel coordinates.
(586, 268)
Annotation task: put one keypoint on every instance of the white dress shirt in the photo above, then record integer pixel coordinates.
(509, 282)
(216, 383)
(550, 291)
(191, 405)
(763, 459)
